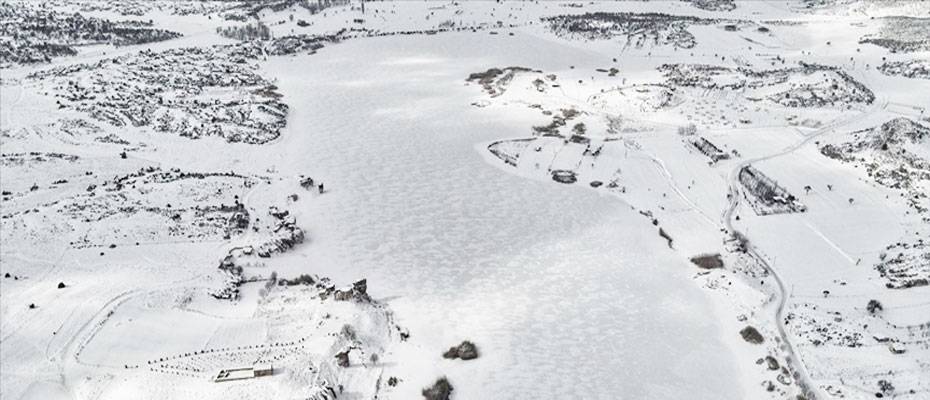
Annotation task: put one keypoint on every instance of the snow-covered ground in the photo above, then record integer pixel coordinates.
(527, 177)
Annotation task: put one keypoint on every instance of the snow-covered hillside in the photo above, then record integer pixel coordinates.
(345, 199)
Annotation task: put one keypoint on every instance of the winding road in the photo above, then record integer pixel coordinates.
(801, 374)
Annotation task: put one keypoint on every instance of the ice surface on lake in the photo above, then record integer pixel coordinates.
(567, 292)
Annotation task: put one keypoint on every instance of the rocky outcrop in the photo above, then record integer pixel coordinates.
(230, 288)
(465, 351)
(286, 235)
(494, 81)
(358, 292)
(342, 358)
(306, 182)
(37, 34)
(708, 261)
(564, 176)
(751, 335)
(441, 390)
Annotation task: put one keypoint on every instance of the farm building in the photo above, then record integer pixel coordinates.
(235, 374)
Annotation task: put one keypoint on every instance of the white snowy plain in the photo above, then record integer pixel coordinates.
(568, 292)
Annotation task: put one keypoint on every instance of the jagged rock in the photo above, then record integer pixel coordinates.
(287, 235)
(39, 34)
(239, 221)
(342, 295)
(495, 80)
(441, 390)
(637, 29)
(361, 287)
(328, 290)
(466, 351)
(277, 213)
(772, 363)
(564, 176)
(908, 68)
(303, 279)
(307, 183)
(342, 358)
(714, 5)
(255, 114)
(708, 261)
(751, 335)
(230, 290)
(358, 292)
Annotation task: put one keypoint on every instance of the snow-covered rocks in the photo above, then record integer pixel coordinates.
(637, 29)
(357, 292)
(751, 335)
(807, 85)
(191, 92)
(140, 207)
(902, 34)
(713, 5)
(464, 351)
(918, 69)
(894, 154)
(37, 35)
(441, 390)
(494, 81)
(285, 235)
(708, 261)
(905, 265)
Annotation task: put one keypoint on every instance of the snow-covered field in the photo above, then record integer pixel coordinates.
(704, 199)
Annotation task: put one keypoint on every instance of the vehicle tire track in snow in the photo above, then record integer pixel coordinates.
(82, 337)
(671, 182)
(830, 242)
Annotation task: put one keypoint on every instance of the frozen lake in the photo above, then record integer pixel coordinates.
(568, 293)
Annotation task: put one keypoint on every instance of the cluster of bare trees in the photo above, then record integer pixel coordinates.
(247, 32)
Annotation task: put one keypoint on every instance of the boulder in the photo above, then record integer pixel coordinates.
(564, 176)
(751, 335)
(772, 363)
(441, 390)
(358, 292)
(465, 351)
(708, 261)
(342, 358)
